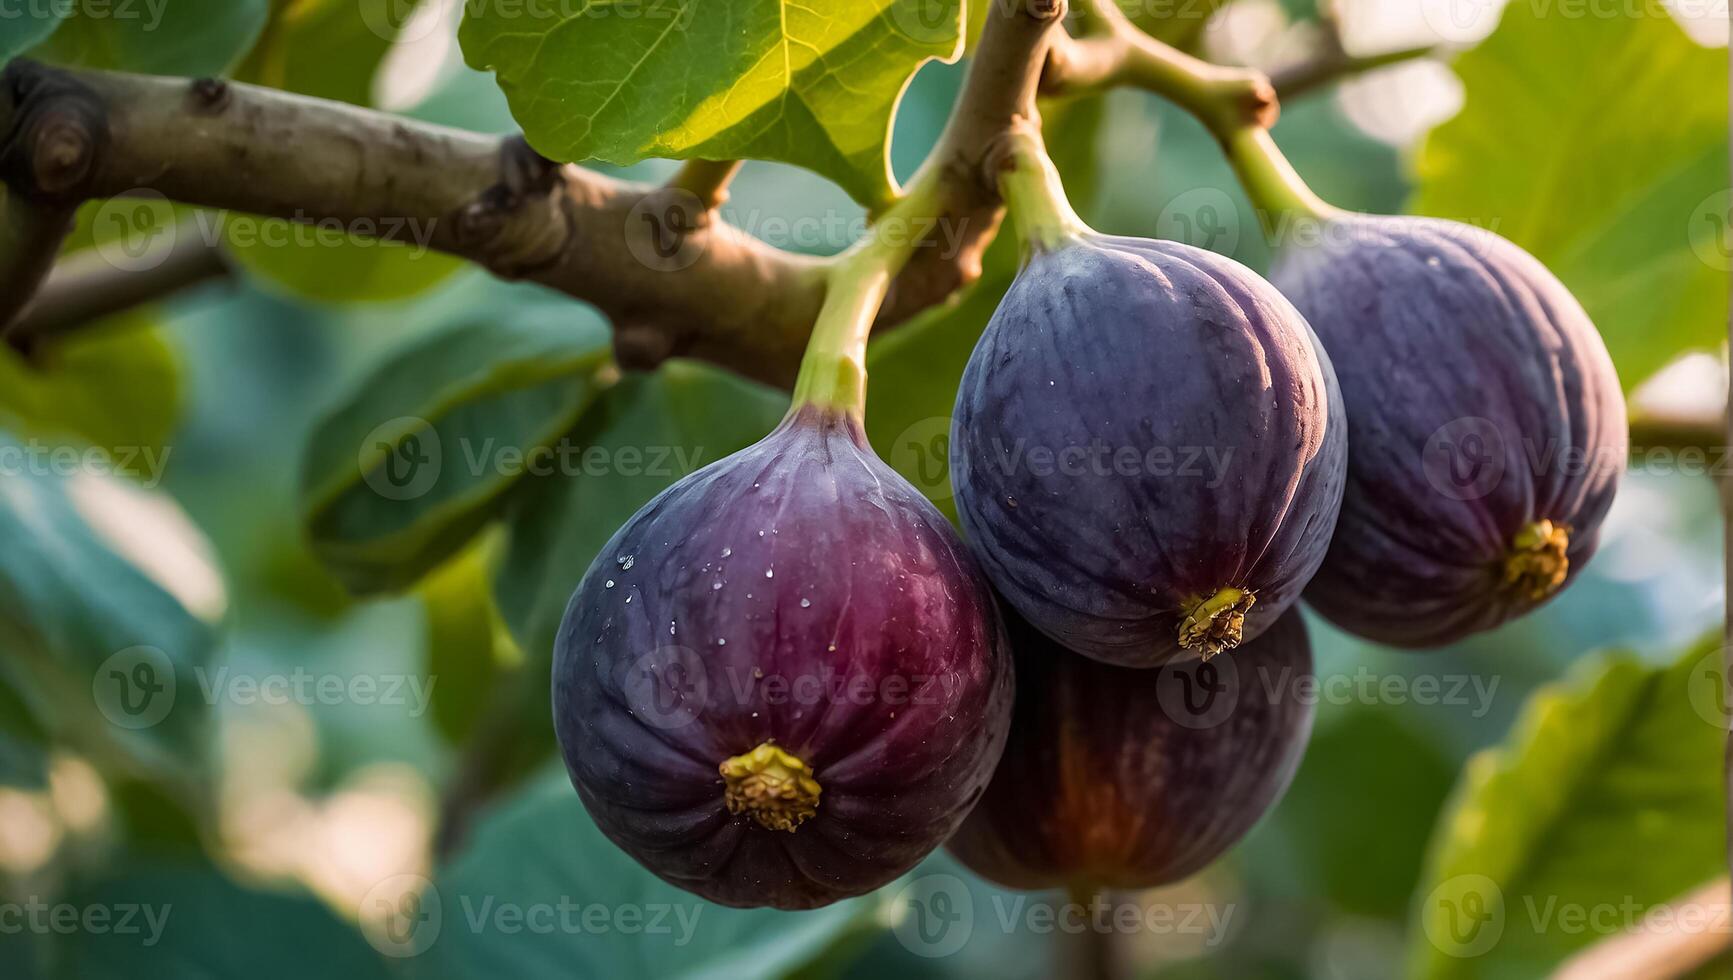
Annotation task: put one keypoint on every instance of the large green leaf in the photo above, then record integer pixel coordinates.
(541, 853)
(645, 434)
(192, 922)
(1606, 800)
(96, 649)
(117, 388)
(812, 84)
(421, 453)
(159, 37)
(1600, 145)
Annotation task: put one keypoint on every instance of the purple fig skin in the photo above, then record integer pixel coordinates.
(1481, 403)
(1210, 388)
(798, 594)
(1122, 778)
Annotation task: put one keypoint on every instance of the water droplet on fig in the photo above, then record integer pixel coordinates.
(608, 584)
(727, 551)
(806, 603)
(770, 573)
(625, 562)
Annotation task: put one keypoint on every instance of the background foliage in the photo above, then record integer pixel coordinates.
(226, 531)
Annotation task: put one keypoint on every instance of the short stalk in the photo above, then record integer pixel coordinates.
(833, 371)
(1275, 188)
(1034, 194)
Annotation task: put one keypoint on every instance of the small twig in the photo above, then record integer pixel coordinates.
(1308, 75)
(488, 760)
(30, 237)
(1646, 953)
(87, 287)
(707, 180)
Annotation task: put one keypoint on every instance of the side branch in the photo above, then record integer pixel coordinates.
(673, 284)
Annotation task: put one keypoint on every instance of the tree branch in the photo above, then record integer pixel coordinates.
(674, 279)
(85, 286)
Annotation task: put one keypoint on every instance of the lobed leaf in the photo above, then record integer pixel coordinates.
(814, 84)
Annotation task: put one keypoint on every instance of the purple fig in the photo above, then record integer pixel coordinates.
(1125, 778)
(1149, 449)
(784, 682)
(1486, 426)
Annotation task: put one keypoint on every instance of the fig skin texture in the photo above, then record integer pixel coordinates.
(1122, 778)
(1486, 426)
(784, 682)
(1149, 450)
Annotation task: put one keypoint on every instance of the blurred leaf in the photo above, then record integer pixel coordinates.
(23, 29)
(1366, 857)
(468, 644)
(1606, 799)
(420, 455)
(158, 37)
(328, 266)
(328, 49)
(1561, 148)
(814, 85)
(117, 387)
(915, 368)
(98, 650)
(647, 432)
(193, 922)
(542, 851)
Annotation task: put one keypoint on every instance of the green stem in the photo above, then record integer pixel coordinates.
(833, 371)
(1034, 194)
(1275, 188)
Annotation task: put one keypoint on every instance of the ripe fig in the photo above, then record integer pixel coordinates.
(1485, 422)
(1149, 447)
(784, 681)
(1124, 778)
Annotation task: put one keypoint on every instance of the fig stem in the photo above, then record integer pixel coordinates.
(1275, 187)
(1033, 192)
(833, 370)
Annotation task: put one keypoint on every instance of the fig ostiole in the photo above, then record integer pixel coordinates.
(784, 681)
(1125, 778)
(1149, 448)
(1486, 425)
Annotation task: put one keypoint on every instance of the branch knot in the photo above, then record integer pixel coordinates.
(56, 129)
